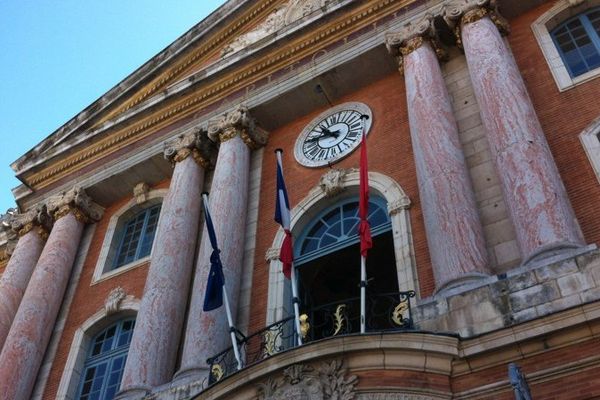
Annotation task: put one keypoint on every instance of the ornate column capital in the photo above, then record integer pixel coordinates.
(77, 202)
(412, 36)
(36, 218)
(458, 13)
(195, 143)
(237, 122)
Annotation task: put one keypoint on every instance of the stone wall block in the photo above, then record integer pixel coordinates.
(533, 296)
(558, 305)
(574, 283)
(590, 295)
(469, 298)
(430, 310)
(557, 270)
(522, 281)
(524, 315)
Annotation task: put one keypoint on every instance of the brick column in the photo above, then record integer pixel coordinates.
(454, 231)
(32, 229)
(207, 332)
(33, 324)
(153, 350)
(533, 190)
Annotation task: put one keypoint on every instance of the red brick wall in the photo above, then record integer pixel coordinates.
(390, 153)
(89, 298)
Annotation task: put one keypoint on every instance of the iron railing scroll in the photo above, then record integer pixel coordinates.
(388, 312)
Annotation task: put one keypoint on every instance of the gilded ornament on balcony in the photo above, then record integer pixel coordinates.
(217, 372)
(304, 325)
(398, 312)
(270, 339)
(339, 318)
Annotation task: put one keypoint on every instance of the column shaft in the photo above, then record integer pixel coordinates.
(33, 324)
(153, 349)
(454, 231)
(16, 276)
(533, 190)
(207, 332)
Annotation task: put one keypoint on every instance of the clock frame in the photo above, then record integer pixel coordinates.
(317, 147)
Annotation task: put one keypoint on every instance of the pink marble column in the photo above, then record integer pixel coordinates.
(454, 231)
(207, 332)
(33, 324)
(533, 190)
(155, 342)
(32, 228)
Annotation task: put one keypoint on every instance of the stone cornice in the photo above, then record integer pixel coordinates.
(234, 123)
(198, 98)
(196, 144)
(411, 37)
(74, 201)
(458, 13)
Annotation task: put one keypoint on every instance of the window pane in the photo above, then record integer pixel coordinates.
(138, 236)
(577, 48)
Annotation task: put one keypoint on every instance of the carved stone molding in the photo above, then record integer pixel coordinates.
(395, 396)
(113, 300)
(328, 381)
(194, 143)
(458, 13)
(237, 122)
(574, 3)
(272, 254)
(281, 17)
(396, 206)
(411, 37)
(36, 218)
(332, 182)
(77, 202)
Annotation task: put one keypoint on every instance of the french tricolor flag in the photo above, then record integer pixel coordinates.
(282, 217)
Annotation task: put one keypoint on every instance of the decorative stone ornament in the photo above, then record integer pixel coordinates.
(458, 13)
(412, 36)
(140, 192)
(302, 382)
(272, 254)
(237, 122)
(332, 182)
(113, 300)
(195, 144)
(77, 202)
(36, 217)
(396, 206)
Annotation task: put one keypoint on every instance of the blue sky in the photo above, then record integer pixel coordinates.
(59, 56)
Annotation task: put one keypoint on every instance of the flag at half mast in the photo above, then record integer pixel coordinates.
(283, 217)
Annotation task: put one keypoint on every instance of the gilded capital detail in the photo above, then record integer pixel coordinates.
(74, 201)
(36, 218)
(411, 37)
(458, 13)
(237, 122)
(195, 144)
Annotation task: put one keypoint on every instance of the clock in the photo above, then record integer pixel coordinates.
(332, 135)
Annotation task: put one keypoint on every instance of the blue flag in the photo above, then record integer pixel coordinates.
(213, 297)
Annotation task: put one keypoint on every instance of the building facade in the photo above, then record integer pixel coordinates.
(483, 137)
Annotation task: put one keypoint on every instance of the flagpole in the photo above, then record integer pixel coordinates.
(295, 298)
(234, 344)
(363, 259)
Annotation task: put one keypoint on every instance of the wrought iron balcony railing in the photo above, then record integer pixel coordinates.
(385, 312)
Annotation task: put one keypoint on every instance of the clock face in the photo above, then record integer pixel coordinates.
(333, 135)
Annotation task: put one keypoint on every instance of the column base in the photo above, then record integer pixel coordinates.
(190, 374)
(133, 393)
(463, 280)
(551, 250)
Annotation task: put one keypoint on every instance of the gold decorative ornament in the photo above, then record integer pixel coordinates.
(217, 372)
(339, 318)
(196, 144)
(270, 338)
(74, 201)
(304, 325)
(459, 13)
(397, 313)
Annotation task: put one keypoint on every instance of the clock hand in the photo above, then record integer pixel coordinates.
(326, 133)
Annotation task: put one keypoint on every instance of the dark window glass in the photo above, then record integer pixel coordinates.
(137, 236)
(578, 42)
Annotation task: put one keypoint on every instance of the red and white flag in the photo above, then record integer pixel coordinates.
(283, 217)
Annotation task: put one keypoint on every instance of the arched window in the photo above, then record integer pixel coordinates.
(578, 42)
(337, 227)
(137, 236)
(105, 361)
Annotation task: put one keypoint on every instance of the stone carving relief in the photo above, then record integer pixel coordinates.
(113, 300)
(196, 144)
(272, 254)
(140, 192)
(332, 182)
(237, 122)
(395, 207)
(395, 396)
(76, 201)
(284, 15)
(460, 12)
(303, 382)
(573, 3)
